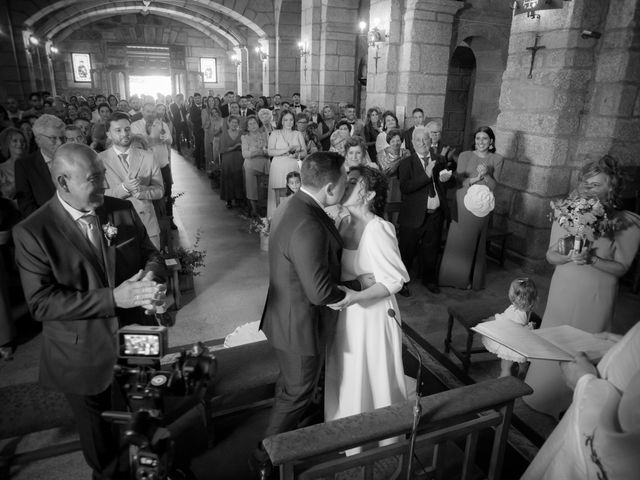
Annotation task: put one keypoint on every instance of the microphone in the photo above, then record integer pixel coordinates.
(417, 408)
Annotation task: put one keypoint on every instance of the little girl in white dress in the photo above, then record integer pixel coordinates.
(523, 295)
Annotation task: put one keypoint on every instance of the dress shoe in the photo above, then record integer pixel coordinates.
(404, 291)
(432, 287)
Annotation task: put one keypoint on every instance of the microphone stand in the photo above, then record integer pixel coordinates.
(417, 408)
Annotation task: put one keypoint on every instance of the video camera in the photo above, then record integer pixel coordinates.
(164, 401)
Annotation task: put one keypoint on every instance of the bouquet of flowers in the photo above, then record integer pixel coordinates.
(260, 225)
(585, 218)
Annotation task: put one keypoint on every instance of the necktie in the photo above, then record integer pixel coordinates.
(148, 125)
(124, 161)
(92, 233)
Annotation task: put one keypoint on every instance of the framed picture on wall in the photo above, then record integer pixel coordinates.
(209, 69)
(81, 67)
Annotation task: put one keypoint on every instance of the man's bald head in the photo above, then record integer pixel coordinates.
(78, 174)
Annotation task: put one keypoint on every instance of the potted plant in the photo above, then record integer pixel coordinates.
(260, 225)
(191, 260)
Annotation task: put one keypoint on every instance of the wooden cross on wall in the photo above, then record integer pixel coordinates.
(534, 50)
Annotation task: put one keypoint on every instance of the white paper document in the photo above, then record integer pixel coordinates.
(560, 343)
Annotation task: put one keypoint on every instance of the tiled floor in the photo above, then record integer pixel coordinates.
(231, 290)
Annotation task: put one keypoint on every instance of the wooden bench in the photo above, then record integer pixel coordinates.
(459, 414)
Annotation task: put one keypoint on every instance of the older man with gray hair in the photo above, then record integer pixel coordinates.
(33, 174)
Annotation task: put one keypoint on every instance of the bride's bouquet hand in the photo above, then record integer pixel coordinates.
(349, 299)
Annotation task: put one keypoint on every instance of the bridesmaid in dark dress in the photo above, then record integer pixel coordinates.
(232, 177)
(464, 260)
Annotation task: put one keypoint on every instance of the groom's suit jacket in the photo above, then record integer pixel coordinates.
(304, 270)
(70, 290)
(143, 167)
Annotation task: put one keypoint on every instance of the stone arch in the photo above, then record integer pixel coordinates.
(64, 29)
(64, 9)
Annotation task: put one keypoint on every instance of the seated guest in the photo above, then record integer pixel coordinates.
(81, 291)
(13, 147)
(598, 436)
(99, 128)
(389, 121)
(33, 176)
(132, 174)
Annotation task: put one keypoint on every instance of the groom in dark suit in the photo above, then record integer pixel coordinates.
(305, 250)
(423, 180)
(81, 280)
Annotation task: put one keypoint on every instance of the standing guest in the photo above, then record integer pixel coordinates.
(72, 114)
(195, 117)
(356, 155)
(85, 128)
(389, 121)
(136, 108)
(5, 121)
(229, 97)
(123, 106)
(95, 114)
(389, 161)
(132, 174)
(418, 119)
(179, 116)
(231, 161)
(261, 102)
(464, 261)
(85, 113)
(234, 109)
(584, 285)
(36, 104)
(13, 110)
(13, 147)
(245, 109)
(277, 107)
(371, 131)
(26, 127)
(81, 287)
(327, 127)
(302, 125)
(434, 128)
(73, 134)
(73, 100)
(112, 100)
(99, 128)
(266, 119)
(313, 114)
(212, 126)
(356, 126)
(296, 107)
(423, 180)
(287, 147)
(256, 160)
(341, 108)
(33, 174)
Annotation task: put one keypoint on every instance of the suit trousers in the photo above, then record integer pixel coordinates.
(97, 436)
(181, 132)
(294, 390)
(423, 241)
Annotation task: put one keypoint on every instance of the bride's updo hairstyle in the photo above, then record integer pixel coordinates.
(374, 181)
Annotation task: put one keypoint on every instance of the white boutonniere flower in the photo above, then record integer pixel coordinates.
(110, 232)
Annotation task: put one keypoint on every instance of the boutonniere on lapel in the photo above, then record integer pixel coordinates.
(110, 232)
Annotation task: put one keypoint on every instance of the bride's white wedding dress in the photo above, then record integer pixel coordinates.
(364, 368)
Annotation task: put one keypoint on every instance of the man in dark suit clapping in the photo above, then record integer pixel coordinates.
(304, 270)
(82, 280)
(423, 179)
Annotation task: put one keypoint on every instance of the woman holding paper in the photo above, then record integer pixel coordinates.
(599, 435)
(584, 285)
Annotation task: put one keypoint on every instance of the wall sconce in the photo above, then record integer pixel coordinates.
(33, 44)
(235, 59)
(264, 56)
(376, 36)
(303, 50)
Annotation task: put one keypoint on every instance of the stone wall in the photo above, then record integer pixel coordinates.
(580, 103)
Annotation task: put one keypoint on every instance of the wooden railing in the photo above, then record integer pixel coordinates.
(312, 452)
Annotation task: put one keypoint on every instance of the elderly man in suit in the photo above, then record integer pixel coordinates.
(423, 180)
(81, 284)
(304, 264)
(132, 174)
(33, 177)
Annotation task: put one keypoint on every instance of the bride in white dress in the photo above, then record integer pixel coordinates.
(364, 369)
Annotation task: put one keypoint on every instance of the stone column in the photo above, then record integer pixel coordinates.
(286, 66)
(573, 107)
(412, 66)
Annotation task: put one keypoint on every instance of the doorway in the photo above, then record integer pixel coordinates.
(149, 85)
(458, 101)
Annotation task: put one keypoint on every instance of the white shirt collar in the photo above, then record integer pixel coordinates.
(121, 152)
(74, 212)
(307, 192)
